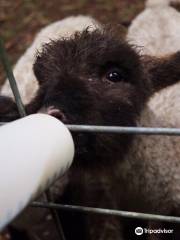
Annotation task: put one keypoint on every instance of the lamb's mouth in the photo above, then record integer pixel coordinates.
(80, 139)
(54, 112)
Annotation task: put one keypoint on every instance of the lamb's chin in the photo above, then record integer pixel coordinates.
(55, 112)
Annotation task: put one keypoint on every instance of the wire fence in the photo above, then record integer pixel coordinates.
(88, 128)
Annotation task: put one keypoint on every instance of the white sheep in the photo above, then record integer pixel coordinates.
(156, 159)
(157, 32)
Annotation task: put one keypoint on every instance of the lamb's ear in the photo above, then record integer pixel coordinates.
(162, 72)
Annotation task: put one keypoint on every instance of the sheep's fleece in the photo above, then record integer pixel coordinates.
(152, 162)
(156, 31)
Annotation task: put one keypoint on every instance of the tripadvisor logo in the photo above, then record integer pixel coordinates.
(138, 231)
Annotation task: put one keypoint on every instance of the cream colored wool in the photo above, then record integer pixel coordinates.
(154, 3)
(157, 32)
(156, 181)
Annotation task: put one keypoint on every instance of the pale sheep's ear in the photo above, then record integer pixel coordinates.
(162, 72)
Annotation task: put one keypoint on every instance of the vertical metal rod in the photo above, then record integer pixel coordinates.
(55, 216)
(12, 81)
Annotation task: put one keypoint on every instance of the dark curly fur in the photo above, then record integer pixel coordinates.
(72, 75)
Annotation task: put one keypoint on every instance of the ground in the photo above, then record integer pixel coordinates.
(20, 20)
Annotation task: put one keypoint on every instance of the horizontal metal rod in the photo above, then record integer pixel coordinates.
(122, 130)
(125, 130)
(109, 212)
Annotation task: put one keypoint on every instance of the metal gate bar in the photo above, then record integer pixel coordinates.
(112, 212)
(121, 130)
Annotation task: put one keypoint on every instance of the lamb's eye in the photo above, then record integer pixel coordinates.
(115, 75)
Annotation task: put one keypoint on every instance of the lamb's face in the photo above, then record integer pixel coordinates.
(93, 78)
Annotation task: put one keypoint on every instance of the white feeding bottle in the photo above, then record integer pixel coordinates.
(34, 151)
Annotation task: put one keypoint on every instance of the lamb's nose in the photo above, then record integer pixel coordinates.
(57, 113)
